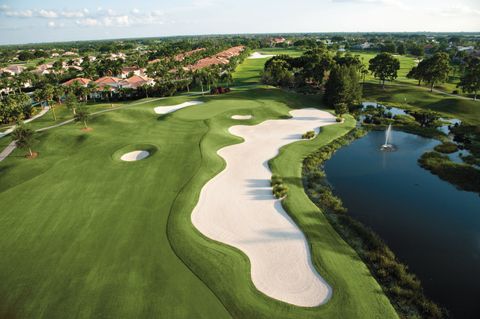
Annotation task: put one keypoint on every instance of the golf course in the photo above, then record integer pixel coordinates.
(86, 234)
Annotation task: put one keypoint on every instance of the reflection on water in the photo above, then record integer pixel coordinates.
(428, 223)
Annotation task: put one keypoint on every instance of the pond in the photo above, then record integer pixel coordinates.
(429, 224)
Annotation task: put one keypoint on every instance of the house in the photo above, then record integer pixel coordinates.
(136, 81)
(72, 67)
(466, 49)
(117, 56)
(180, 57)
(69, 53)
(278, 40)
(221, 58)
(131, 69)
(82, 81)
(43, 69)
(363, 46)
(13, 69)
(109, 82)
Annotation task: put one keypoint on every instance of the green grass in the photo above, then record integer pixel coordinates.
(84, 235)
(406, 64)
(464, 109)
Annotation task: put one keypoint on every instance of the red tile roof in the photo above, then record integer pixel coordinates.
(81, 81)
(220, 58)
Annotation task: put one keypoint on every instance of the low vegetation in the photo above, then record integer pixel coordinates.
(463, 176)
(446, 148)
(278, 188)
(308, 135)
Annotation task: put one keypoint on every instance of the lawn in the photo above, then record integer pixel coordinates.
(406, 64)
(465, 109)
(84, 235)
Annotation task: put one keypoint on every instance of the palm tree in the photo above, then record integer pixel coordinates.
(24, 138)
(227, 78)
(93, 89)
(82, 115)
(58, 93)
(71, 102)
(47, 96)
(145, 88)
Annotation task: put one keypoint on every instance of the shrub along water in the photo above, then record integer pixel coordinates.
(463, 176)
(403, 288)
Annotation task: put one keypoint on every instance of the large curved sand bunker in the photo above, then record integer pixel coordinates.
(172, 108)
(237, 207)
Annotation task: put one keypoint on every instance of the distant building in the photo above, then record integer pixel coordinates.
(13, 69)
(363, 46)
(467, 49)
(82, 81)
(108, 82)
(136, 81)
(131, 69)
(69, 53)
(277, 40)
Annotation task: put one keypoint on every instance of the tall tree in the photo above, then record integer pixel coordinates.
(343, 86)
(24, 138)
(384, 67)
(82, 115)
(435, 69)
(414, 73)
(71, 102)
(470, 81)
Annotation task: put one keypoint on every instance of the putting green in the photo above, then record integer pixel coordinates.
(85, 235)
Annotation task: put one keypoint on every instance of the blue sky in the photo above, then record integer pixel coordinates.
(24, 21)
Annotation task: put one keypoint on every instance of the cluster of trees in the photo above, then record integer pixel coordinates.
(432, 70)
(15, 107)
(318, 69)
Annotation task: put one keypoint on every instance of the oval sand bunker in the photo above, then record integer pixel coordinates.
(134, 156)
(242, 117)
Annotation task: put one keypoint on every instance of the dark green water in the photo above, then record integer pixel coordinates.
(429, 224)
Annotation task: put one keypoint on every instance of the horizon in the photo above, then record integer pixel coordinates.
(60, 22)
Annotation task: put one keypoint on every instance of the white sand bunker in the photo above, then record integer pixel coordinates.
(172, 108)
(258, 55)
(135, 156)
(242, 117)
(237, 208)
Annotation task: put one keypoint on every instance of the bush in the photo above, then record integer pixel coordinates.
(219, 90)
(338, 119)
(309, 135)
(455, 92)
(446, 148)
(280, 191)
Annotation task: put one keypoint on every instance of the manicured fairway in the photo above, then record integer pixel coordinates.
(85, 235)
(462, 108)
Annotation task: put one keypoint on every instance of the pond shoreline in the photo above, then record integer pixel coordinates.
(401, 286)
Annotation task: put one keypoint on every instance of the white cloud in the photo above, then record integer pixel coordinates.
(456, 10)
(396, 3)
(120, 21)
(88, 22)
(20, 14)
(74, 14)
(47, 13)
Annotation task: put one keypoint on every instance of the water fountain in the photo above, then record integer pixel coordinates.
(388, 146)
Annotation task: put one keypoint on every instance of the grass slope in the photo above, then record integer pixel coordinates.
(464, 109)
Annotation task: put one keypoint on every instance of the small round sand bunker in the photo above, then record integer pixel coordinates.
(242, 117)
(135, 156)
